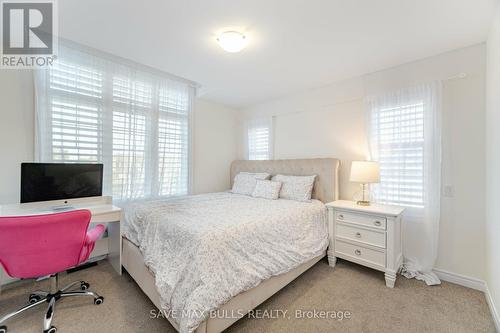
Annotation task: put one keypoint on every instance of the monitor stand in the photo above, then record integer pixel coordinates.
(62, 208)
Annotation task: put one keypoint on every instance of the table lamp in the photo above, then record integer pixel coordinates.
(365, 173)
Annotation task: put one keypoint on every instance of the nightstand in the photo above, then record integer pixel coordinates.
(366, 235)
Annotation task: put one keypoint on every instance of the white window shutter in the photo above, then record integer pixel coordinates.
(259, 137)
(91, 108)
(399, 138)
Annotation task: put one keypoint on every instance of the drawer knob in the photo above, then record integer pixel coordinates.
(358, 235)
(377, 223)
(341, 216)
(357, 252)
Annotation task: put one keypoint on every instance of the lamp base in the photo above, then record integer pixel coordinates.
(363, 196)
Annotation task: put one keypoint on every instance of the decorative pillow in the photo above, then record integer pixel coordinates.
(244, 182)
(297, 188)
(267, 189)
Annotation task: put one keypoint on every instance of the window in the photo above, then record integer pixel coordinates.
(91, 108)
(259, 143)
(399, 132)
(404, 139)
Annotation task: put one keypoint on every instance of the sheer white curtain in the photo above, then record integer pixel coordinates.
(259, 138)
(405, 137)
(94, 107)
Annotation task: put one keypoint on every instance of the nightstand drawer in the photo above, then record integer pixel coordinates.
(360, 253)
(371, 237)
(362, 219)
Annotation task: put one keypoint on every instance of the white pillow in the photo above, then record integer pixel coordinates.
(297, 188)
(267, 189)
(244, 182)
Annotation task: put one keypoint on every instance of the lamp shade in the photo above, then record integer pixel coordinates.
(365, 172)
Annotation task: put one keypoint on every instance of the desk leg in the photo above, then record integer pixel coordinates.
(115, 246)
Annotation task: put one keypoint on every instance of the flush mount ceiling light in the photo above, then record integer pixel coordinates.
(232, 41)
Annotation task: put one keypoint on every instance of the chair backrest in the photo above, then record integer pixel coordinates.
(39, 245)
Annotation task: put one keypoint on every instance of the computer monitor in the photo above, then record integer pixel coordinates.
(58, 181)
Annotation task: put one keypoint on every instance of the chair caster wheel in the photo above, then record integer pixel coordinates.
(84, 285)
(97, 301)
(33, 299)
(3, 329)
(52, 329)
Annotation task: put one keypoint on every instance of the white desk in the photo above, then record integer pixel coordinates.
(102, 211)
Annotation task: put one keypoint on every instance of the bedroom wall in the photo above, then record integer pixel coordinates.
(493, 167)
(330, 122)
(16, 129)
(214, 145)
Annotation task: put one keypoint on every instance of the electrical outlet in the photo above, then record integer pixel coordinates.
(449, 191)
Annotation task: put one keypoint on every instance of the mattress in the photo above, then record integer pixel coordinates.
(203, 250)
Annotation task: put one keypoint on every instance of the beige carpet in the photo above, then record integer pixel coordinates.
(410, 307)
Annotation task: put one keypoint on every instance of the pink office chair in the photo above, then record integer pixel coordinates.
(43, 245)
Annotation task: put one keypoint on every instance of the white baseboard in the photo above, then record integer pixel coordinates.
(473, 283)
(493, 308)
(461, 280)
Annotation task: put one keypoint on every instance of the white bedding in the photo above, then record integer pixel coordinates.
(206, 249)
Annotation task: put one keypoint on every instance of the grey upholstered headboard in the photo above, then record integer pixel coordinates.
(326, 170)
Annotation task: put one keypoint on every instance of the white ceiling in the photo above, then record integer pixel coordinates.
(294, 44)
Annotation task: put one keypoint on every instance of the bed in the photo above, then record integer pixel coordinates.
(207, 260)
